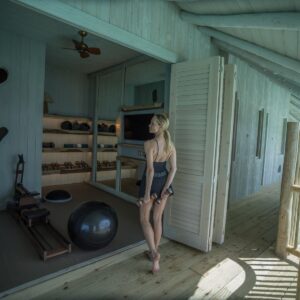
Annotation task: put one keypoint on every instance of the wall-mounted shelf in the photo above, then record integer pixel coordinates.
(65, 117)
(88, 170)
(59, 154)
(62, 131)
(66, 171)
(76, 150)
(69, 150)
(106, 133)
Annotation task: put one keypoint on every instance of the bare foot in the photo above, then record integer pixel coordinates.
(155, 262)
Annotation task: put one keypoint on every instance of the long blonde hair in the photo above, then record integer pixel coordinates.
(164, 123)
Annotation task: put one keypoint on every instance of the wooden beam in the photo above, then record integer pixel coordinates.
(267, 54)
(236, 7)
(282, 21)
(293, 251)
(286, 77)
(288, 179)
(298, 284)
(79, 19)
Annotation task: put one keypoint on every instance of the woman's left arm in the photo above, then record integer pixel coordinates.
(172, 172)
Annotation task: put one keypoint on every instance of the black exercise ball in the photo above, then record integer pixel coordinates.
(93, 225)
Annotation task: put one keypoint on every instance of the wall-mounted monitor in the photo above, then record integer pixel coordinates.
(135, 126)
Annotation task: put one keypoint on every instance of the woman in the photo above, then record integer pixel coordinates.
(156, 186)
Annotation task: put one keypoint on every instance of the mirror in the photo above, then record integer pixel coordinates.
(149, 93)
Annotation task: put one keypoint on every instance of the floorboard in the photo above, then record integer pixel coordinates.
(246, 257)
(20, 264)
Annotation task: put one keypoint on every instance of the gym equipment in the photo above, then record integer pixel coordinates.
(3, 132)
(169, 192)
(58, 196)
(66, 125)
(84, 127)
(3, 75)
(93, 225)
(35, 220)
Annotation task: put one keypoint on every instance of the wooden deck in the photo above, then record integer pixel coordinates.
(243, 267)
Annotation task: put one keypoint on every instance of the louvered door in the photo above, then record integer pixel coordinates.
(196, 91)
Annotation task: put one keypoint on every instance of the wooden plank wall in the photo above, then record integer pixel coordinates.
(69, 91)
(140, 74)
(110, 92)
(256, 92)
(156, 21)
(111, 84)
(21, 101)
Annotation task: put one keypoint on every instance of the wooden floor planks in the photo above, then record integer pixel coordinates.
(244, 267)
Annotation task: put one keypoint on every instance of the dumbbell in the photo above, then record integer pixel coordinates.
(169, 192)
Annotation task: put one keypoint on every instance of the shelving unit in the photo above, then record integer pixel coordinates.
(56, 171)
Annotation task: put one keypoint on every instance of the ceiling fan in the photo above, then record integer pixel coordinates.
(83, 49)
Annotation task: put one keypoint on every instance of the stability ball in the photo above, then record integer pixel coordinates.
(93, 225)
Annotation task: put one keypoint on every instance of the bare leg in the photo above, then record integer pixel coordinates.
(157, 224)
(145, 209)
(157, 220)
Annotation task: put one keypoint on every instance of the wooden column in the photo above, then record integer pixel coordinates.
(288, 179)
(298, 284)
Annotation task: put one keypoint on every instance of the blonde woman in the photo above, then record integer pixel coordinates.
(156, 186)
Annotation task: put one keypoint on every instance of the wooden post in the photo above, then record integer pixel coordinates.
(298, 284)
(288, 179)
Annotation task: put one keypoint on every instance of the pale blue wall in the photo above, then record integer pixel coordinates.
(141, 74)
(69, 91)
(21, 110)
(145, 93)
(156, 21)
(110, 86)
(255, 92)
(110, 94)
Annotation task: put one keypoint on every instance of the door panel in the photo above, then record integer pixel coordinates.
(195, 110)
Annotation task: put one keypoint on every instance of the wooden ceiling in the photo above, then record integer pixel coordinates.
(270, 24)
(283, 41)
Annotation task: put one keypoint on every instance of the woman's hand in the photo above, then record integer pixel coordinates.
(164, 192)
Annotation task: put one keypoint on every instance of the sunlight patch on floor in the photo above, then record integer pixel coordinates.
(220, 281)
(274, 278)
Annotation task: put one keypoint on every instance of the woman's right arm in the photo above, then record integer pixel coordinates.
(149, 170)
(172, 171)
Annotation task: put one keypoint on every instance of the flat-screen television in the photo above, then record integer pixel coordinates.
(135, 126)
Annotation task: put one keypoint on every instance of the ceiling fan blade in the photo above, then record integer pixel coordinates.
(84, 54)
(95, 51)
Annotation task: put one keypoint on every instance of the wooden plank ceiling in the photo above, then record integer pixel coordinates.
(283, 41)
